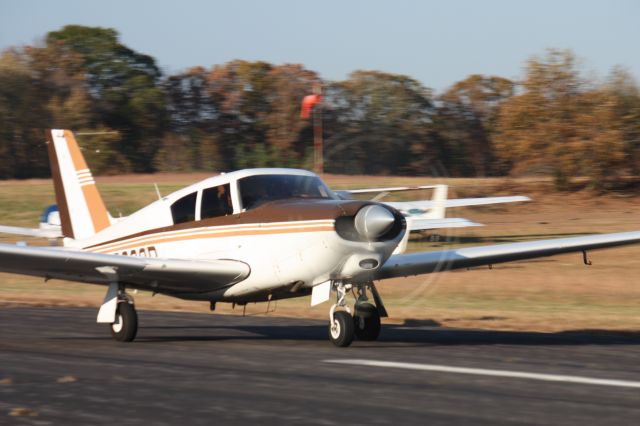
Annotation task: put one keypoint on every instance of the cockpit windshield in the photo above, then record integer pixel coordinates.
(258, 189)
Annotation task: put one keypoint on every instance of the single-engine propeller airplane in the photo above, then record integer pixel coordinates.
(248, 236)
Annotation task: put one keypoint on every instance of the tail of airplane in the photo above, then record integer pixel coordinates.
(82, 211)
(438, 199)
(429, 220)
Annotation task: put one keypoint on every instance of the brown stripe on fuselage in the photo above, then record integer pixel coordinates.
(279, 211)
(214, 234)
(95, 205)
(61, 197)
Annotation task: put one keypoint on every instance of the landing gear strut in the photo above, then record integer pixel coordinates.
(365, 322)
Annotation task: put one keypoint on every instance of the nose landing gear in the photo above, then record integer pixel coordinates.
(342, 329)
(364, 324)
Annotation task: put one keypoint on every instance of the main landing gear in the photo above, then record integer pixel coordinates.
(125, 326)
(119, 312)
(364, 323)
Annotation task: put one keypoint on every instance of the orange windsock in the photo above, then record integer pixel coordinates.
(308, 102)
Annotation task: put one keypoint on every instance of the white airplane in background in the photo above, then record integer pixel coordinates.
(427, 215)
(246, 236)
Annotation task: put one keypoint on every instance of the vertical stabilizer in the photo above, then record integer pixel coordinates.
(439, 198)
(82, 211)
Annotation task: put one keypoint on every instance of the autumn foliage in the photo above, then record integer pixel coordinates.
(131, 118)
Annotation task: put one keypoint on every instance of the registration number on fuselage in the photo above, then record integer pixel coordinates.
(141, 252)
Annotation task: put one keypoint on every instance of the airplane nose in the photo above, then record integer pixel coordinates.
(373, 221)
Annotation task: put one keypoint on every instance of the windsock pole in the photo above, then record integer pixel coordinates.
(318, 156)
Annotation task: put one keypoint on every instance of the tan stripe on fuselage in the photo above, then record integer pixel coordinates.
(153, 240)
(95, 205)
(165, 233)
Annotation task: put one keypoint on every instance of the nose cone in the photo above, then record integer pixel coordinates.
(373, 221)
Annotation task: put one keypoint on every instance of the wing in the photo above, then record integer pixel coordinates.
(425, 222)
(420, 224)
(31, 232)
(419, 207)
(391, 189)
(171, 276)
(403, 265)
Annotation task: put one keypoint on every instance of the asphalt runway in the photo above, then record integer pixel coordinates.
(58, 367)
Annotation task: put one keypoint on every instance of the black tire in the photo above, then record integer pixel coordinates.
(342, 329)
(126, 326)
(366, 322)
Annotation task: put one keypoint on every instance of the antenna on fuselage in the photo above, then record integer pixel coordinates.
(157, 191)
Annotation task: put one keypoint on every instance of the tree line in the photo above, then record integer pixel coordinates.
(130, 117)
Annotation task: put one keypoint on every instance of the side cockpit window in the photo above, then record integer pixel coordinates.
(216, 202)
(184, 210)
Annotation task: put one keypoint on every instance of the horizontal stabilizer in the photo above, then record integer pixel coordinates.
(31, 232)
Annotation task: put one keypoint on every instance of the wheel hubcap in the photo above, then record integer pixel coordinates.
(335, 329)
(117, 326)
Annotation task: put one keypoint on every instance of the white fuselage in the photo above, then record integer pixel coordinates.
(302, 252)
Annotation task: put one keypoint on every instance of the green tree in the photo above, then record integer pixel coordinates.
(466, 117)
(379, 123)
(562, 124)
(61, 78)
(191, 138)
(245, 112)
(23, 106)
(123, 86)
(626, 97)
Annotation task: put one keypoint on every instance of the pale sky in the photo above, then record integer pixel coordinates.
(436, 42)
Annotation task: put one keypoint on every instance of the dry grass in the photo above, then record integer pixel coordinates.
(552, 294)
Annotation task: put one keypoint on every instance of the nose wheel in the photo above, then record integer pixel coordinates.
(364, 324)
(342, 329)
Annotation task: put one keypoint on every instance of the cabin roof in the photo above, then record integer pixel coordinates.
(233, 176)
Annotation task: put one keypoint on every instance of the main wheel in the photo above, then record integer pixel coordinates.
(366, 322)
(341, 330)
(126, 325)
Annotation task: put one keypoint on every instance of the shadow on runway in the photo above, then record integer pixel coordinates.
(185, 327)
(391, 335)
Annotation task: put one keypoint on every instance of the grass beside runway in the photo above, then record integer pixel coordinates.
(552, 294)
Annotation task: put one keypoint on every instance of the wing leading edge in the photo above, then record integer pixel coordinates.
(409, 206)
(403, 265)
(171, 276)
(31, 232)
